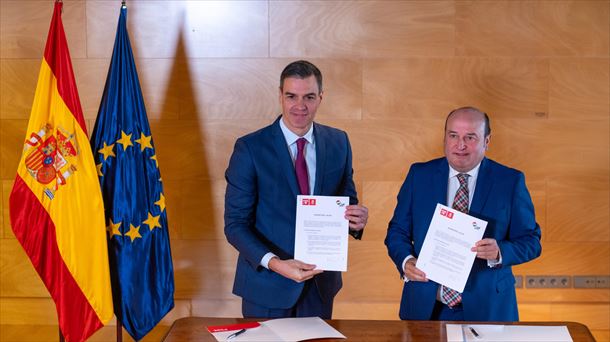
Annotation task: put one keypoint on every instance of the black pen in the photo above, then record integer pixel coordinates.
(235, 334)
(474, 332)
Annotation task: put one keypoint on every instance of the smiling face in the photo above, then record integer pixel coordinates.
(465, 140)
(300, 99)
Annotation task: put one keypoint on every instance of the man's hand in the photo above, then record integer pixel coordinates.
(413, 273)
(293, 269)
(357, 216)
(487, 249)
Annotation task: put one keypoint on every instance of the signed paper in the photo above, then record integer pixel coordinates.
(445, 256)
(321, 232)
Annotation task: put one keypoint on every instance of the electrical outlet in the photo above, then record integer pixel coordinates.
(548, 282)
(585, 282)
(602, 282)
(518, 281)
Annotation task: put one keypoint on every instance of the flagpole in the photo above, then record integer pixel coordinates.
(119, 331)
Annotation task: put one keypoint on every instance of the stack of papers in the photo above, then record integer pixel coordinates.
(282, 329)
(516, 333)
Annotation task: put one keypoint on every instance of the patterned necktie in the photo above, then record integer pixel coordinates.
(460, 202)
(300, 167)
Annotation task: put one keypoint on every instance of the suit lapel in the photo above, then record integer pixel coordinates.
(441, 177)
(482, 190)
(320, 142)
(283, 157)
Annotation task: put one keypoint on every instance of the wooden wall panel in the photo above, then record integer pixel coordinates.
(578, 209)
(380, 198)
(202, 210)
(392, 70)
(431, 87)
(532, 28)
(370, 264)
(12, 135)
(365, 310)
(568, 295)
(361, 29)
(579, 87)
(384, 150)
(217, 307)
(595, 316)
(203, 269)
(569, 258)
(4, 194)
(212, 29)
(24, 26)
(39, 311)
(18, 79)
(188, 149)
(19, 278)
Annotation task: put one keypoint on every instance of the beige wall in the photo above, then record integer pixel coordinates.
(393, 69)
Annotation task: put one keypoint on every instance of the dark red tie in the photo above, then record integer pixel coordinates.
(301, 167)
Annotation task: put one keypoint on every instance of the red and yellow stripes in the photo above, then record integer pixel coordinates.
(60, 223)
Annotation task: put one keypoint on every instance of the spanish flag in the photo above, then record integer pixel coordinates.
(56, 206)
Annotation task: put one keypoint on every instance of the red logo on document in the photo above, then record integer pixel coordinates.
(309, 201)
(446, 213)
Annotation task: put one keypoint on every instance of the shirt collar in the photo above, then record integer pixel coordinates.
(472, 173)
(291, 137)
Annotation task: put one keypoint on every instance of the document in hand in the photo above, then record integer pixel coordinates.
(278, 330)
(445, 256)
(321, 232)
(513, 333)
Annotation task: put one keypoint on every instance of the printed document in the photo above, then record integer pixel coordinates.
(321, 232)
(445, 256)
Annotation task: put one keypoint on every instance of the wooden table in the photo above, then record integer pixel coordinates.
(194, 329)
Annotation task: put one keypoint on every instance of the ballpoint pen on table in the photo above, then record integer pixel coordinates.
(474, 332)
(235, 334)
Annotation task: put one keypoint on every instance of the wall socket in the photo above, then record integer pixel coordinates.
(592, 282)
(518, 281)
(548, 282)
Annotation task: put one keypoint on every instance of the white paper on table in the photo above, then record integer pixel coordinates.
(445, 256)
(321, 232)
(302, 328)
(284, 329)
(516, 333)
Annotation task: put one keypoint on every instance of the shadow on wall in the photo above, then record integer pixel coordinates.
(181, 146)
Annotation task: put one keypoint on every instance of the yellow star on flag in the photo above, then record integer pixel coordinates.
(161, 202)
(152, 221)
(99, 170)
(144, 141)
(154, 157)
(134, 232)
(107, 151)
(125, 140)
(113, 229)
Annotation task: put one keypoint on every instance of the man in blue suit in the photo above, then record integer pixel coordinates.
(260, 202)
(490, 191)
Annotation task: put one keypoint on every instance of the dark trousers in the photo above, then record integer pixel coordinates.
(309, 304)
(442, 312)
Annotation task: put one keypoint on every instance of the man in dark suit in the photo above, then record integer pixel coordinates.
(260, 201)
(469, 182)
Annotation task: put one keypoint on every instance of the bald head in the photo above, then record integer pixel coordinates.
(467, 136)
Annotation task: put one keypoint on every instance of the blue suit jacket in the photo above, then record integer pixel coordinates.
(502, 199)
(260, 208)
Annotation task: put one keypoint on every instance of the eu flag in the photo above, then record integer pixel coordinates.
(141, 268)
